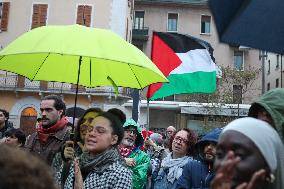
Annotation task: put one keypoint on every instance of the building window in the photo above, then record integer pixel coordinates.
(139, 20)
(205, 24)
(268, 69)
(4, 13)
(277, 83)
(172, 22)
(239, 60)
(268, 86)
(84, 14)
(277, 61)
(237, 94)
(39, 15)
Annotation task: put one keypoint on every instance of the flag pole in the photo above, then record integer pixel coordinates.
(148, 120)
(148, 109)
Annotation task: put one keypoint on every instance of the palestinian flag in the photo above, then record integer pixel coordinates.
(186, 62)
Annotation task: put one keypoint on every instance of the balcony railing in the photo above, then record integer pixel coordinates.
(140, 33)
(19, 83)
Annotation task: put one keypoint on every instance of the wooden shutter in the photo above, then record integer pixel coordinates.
(39, 15)
(87, 15)
(80, 13)
(5, 15)
(84, 12)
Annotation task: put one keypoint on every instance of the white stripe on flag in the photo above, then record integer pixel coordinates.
(194, 61)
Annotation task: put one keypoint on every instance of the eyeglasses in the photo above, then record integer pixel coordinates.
(180, 139)
(86, 128)
(133, 131)
(99, 130)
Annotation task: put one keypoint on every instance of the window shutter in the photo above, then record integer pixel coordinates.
(80, 13)
(39, 15)
(87, 15)
(43, 15)
(35, 16)
(84, 11)
(5, 15)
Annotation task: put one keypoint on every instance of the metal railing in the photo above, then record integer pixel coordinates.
(11, 82)
(141, 33)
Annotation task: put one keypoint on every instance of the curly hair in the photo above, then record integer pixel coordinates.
(19, 169)
(192, 139)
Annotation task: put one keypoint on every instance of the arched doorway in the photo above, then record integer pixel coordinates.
(28, 120)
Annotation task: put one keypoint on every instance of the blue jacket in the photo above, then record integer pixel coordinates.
(160, 180)
(197, 174)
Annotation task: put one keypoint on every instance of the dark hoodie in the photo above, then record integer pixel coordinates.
(273, 103)
(198, 173)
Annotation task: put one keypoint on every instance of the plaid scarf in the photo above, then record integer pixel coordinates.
(43, 133)
(98, 163)
(125, 151)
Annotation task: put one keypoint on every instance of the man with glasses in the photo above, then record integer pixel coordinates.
(170, 132)
(137, 160)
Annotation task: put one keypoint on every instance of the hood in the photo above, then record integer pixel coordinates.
(272, 101)
(139, 139)
(212, 136)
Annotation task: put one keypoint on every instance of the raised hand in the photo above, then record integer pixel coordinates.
(78, 184)
(130, 162)
(224, 173)
(69, 152)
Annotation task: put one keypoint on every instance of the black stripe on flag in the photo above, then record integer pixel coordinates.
(182, 43)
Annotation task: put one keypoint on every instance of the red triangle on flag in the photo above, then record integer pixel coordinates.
(165, 59)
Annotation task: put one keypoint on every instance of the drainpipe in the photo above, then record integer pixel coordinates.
(281, 71)
(262, 55)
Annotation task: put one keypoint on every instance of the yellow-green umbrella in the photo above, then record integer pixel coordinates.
(79, 55)
(52, 53)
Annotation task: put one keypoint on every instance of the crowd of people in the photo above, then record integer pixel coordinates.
(107, 150)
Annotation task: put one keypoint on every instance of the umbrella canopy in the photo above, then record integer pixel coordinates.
(56, 53)
(252, 23)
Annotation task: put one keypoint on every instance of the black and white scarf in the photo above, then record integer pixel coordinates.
(98, 163)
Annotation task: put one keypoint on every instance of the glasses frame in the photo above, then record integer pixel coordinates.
(180, 139)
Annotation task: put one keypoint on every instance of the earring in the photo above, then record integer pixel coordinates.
(270, 178)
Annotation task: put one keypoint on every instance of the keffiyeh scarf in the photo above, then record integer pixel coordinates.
(175, 166)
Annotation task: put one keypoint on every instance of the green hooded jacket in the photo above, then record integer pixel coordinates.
(273, 102)
(139, 171)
